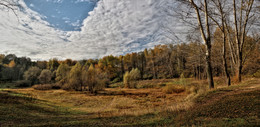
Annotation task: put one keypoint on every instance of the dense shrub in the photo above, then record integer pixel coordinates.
(47, 86)
(56, 86)
(43, 87)
(66, 86)
(169, 89)
(23, 83)
(96, 79)
(131, 78)
(32, 74)
(257, 74)
(45, 76)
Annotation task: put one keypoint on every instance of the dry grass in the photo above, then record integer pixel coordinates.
(169, 89)
(150, 106)
(112, 101)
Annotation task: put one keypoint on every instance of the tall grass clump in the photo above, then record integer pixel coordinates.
(130, 78)
(170, 88)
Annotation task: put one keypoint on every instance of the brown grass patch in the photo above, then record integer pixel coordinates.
(169, 89)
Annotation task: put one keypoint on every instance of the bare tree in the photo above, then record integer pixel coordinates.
(242, 22)
(219, 19)
(200, 8)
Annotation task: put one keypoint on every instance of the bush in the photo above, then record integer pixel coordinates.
(131, 78)
(45, 76)
(43, 87)
(32, 74)
(56, 86)
(66, 87)
(116, 80)
(23, 83)
(257, 74)
(169, 89)
(126, 80)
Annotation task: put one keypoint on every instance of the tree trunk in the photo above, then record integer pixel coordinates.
(208, 63)
(228, 80)
(239, 67)
(206, 38)
(122, 68)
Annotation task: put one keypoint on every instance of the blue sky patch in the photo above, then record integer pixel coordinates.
(66, 15)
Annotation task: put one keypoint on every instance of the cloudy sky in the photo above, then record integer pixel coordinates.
(82, 29)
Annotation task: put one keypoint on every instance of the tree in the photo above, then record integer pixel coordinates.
(32, 74)
(220, 5)
(11, 64)
(1, 58)
(7, 74)
(8, 58)
(202, 12)
(62, 74)
(41, 64)
(45, 76)
(241, 26)
(96, 79)
(75, 75)
(53, 64)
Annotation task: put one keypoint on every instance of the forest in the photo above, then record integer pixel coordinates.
(161, 62)
(210, 79)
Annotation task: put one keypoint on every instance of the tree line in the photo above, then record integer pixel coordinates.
(161, 62)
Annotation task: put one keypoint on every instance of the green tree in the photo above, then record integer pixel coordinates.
(96, 79)
(45, 76)
(32, 74)
(75, 77)
(53, 64)
(62, 74)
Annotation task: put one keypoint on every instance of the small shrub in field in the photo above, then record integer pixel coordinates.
(126, 79)
(116, 80)
(23, 83)
(257, 74)
(66, 87)
(43, 87)
(192, 89)
(131, 77)
(169, 89)
(183, 80)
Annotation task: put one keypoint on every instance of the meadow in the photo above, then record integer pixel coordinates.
(161, 102)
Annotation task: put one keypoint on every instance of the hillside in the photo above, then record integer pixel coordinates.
(237, 105)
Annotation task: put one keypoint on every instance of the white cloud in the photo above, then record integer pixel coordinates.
(113, 27)
(31, 5)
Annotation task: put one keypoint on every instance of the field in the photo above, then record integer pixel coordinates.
(148, 105)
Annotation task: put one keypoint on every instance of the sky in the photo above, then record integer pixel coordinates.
(84, 29)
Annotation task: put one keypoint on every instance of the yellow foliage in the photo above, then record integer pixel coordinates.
(11, 64)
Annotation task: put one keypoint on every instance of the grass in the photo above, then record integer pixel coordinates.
(7, 85)
(237, 105)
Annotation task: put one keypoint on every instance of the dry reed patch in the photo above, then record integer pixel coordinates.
(132, 102)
